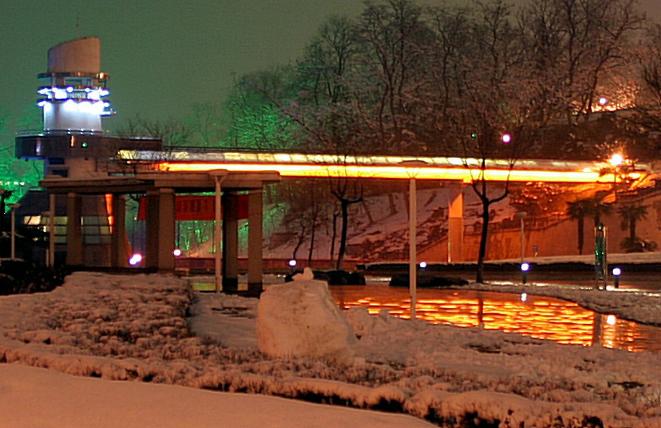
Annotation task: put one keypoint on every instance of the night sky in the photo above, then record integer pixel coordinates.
(165, 55)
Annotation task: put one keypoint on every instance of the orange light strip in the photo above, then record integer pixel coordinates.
(394, 172)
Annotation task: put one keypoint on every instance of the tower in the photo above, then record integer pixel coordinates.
(74, 89)
(74, 148)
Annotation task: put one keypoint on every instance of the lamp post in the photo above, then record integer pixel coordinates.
(13, 229)
(218, 178)
(412, 171)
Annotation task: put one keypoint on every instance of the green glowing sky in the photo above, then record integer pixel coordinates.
(164, 55)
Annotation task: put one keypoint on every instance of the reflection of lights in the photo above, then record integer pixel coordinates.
(292, 263)
(524, 297)
(542, 317)
(135, 259)
(423, 265)
(176, 252)
(611, 320)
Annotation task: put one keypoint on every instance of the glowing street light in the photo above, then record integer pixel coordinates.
(135, 259)
(525, 267)
(292, 263)
(176, 252)
(423, 265)
(506, 138)
(616, 277)
(616, 159)
(603, 101)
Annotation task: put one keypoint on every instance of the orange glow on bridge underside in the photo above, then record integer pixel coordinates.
(464, 174)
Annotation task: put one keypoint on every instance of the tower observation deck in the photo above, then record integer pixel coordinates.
(74, 89)
(73, 97)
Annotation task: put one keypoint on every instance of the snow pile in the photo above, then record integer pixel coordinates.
(300, 319)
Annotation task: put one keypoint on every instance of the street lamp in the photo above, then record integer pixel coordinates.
(525, 267)
(616, 159)
(412, 171)
(616, 277)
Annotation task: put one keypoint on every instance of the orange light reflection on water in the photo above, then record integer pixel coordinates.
(539, 317)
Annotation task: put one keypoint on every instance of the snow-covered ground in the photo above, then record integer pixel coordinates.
(33, 397)
(121, 327)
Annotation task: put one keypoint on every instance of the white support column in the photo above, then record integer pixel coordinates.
(217, 236)
(413, 272)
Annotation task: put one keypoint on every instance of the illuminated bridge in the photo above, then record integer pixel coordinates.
(301, 165)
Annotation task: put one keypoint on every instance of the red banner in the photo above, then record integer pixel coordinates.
(193, 207)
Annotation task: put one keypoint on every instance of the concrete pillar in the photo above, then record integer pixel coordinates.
(456, 224)
(152, 230)
(230, 243)
(118, 256)
(74, 231)
(255, 210)
(167, 229)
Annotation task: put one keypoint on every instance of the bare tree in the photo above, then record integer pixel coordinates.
(390, 36)
(496, 107)
(578, 46)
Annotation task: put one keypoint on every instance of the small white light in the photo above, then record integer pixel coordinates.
(423, 265)
(617, 271)
(176, 252)
(41, 103)
(611, 320)
(69, 89)
(506, 138)
(525, 267)
(292, 263)
(524, 297)
(135, 259)
(603, 101)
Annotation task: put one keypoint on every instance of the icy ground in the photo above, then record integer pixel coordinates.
(137, 328)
